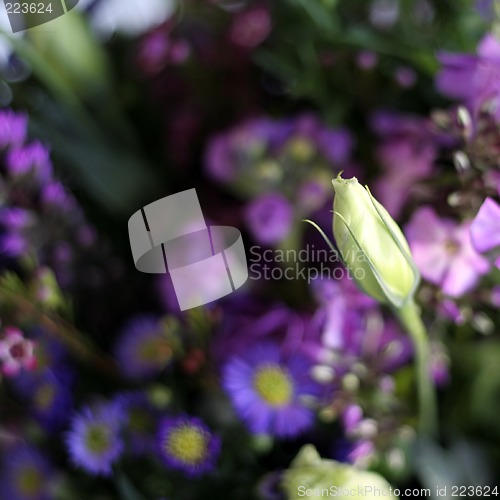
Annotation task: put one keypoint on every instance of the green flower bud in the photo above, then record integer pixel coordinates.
(311, 476)
(372, 245)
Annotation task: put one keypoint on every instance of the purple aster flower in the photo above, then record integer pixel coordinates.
(473, 79)
(94, 442)
(143, 351)
(51, 401)
(443, 252)
(140, 421)
(13, 128)
(485, 228)
(33, 159)
(270, 218)
(268, 390)
(185, 443)
(27, 475)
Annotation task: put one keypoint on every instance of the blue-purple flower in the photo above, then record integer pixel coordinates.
(26, 475)
(185, 443)
(140, 421)
(143, 351)
(51, 401)
(94, 440)
(271, 393)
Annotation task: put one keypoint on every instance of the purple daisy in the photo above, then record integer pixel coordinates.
(185, 443)
(268, 390)
(27, 475)
(142, 350)
(51, 401)
(140, 421)
(94, 441)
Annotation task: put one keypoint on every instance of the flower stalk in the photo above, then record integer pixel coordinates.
(373, 247)
(410, 318)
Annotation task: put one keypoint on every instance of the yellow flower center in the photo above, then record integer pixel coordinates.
(187, 444)
(29, 482)
(97, 438)
(301, 149)
(44, 396)
(452, 247)
(273, 385)
(156, 351)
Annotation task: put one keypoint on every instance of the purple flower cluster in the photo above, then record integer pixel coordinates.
(39, 217)
(406, 151)
(283, 167)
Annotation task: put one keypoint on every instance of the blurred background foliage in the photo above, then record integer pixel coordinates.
(125, 130)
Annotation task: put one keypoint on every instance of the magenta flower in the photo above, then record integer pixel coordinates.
(485, 228)
(443, 252)
(16, 352)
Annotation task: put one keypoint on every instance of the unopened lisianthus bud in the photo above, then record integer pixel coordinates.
(372, 245)
(310, 475)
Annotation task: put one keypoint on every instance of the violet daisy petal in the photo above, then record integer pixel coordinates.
(268, 390)
(27, 475)
(94, 442)
(187, 444)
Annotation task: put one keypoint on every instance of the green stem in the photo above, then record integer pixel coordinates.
(409, 316)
